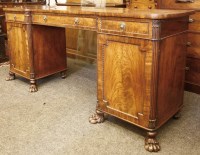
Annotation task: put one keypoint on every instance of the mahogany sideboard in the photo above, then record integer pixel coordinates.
(140, 58)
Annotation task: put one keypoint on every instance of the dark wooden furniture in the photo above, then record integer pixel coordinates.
(192, 80)
(2, 40)
(4, 53)
(140, 62)
(142, 4)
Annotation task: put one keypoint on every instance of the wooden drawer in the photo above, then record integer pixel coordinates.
(180, 4)
(193, 45)
(193, 71)
(15, 17)
(195, 22)
(89, 23)
(142, 5)
(143, 1)
(124, 27)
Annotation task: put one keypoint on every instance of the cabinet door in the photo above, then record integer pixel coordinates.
(17, 43)
(124, 73)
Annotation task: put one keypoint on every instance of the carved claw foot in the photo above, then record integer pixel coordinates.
(98, 117)
(33, 87)
(63, 74)
(151, 144)
(177, 115)
(10, 77)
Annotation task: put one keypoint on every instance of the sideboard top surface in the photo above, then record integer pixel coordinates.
(107, 12)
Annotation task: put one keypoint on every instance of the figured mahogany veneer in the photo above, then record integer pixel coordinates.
(71, 21)
(140, 58)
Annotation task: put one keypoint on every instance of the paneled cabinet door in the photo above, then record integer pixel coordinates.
(124, 73)
(19, 56)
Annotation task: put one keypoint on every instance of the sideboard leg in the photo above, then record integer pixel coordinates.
(177, 115)
(63, 74)
(11, 76)
(97, 117)
(151, 144)
(33, 86)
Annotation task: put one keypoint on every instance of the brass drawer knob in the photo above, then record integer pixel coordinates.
(135, 7)
(45, 18)
(15, 17)
(189, 44)
(122, 26)
(150, 7)
(187, 68)
(76, 21)
(191, 20)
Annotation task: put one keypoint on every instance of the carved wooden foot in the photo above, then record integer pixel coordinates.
(10, 77)
(177, 115)
(33, 86)
(63, 74)
(151, 144)
(98, 117)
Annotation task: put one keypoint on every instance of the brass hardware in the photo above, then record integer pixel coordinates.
(189, 44)
(135, 7)
(184, 1)
(187, 68)
(45, 18)
(150, 7)
(76, 21)
(105, 102)
(15, 18)
(122, 26)
(191, 20)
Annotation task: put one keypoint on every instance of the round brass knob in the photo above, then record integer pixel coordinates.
(187, 68)
(191, 20)
(189, 44)
(15, 17)
(76, 21)
(45, 18)
(122, 26)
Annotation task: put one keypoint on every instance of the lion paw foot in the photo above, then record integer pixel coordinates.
(98, 117)
(10, 78)
(33, 88)
(151, 144)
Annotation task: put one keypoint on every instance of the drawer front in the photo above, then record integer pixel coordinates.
(15, 17)
(193, 45)
(194, 22)
(193, 71)
(180, 4)
(89, 23)
(125, 28)
(142, 6)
